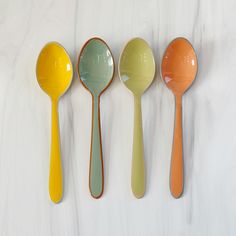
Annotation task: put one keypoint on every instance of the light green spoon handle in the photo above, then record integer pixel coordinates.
(96, 160)
(138, 168)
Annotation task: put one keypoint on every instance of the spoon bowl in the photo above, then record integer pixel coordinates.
(96, 66)
(137, 66)
(96, 70)
(179, 69)
(54, 73)
(54, 70)
(137, 71)
(179, 66)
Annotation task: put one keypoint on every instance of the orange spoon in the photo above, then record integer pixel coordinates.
(179, 69)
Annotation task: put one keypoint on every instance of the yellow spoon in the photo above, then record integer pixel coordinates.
(54, 74)
(136, 71)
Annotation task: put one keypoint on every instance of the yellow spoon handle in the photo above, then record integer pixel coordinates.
(55, 177)
(138, 168)
(176, 172)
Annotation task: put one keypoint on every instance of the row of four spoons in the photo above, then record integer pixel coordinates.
(96, 69)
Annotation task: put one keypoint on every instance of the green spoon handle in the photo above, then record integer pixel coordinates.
(138, 167)
(96, 177)
(55, 176)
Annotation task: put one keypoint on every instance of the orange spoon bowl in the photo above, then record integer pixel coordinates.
(178, 69)
(179, 66)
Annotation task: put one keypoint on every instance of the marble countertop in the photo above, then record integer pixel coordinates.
(208, 205)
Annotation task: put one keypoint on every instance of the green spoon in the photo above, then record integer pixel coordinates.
(137, 71)
(96, 70)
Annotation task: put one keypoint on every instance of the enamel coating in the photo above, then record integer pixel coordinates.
(96, 66)
(54, 74)
(179, 69)
(137, 66)
(54, 70)
(137, 71)
(96, 70)
(179, 65)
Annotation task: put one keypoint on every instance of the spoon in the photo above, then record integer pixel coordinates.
(179, 69)
(137, 71)
(54, 74)
(96, 70)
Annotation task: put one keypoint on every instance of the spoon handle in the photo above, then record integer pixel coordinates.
(176, 172)
(55, 177)
(96, 178)
(138, 168)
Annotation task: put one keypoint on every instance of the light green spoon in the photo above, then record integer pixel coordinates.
(137, 71)
(96, 70)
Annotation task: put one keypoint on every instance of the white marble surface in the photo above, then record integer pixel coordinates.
(208, 206)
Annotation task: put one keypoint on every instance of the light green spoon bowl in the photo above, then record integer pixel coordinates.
(96, 70)
(137, 70)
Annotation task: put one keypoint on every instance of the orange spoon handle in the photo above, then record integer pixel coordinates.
(176, 171)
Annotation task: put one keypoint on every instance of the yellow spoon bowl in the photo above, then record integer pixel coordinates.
(54, 74)
(54, 70)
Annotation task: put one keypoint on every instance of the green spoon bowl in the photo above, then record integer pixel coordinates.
(96, 70)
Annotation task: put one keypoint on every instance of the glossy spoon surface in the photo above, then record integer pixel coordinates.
(54, 74)
(137, 71)
(96, 69)
(179, 69)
